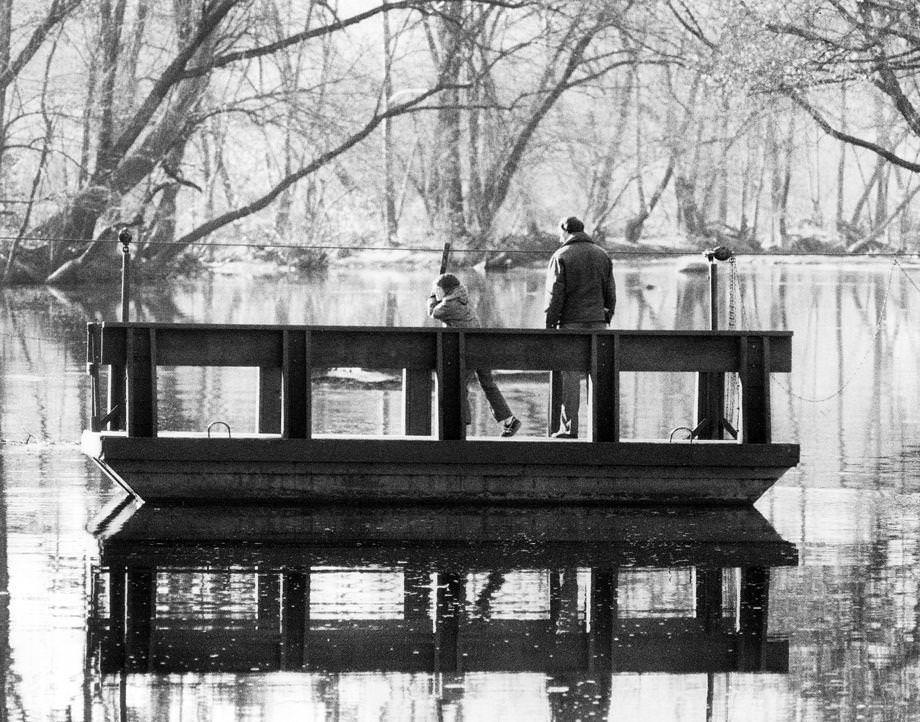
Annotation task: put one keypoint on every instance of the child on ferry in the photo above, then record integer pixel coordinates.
(449, 304)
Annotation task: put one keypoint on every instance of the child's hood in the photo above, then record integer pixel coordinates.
(459, 294)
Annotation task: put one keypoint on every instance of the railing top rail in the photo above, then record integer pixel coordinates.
(491, 330)
(418, 348)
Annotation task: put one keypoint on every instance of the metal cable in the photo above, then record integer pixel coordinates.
(439, 249)
(878, 329)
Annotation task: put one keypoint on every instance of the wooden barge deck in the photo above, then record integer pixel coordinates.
(432, 461)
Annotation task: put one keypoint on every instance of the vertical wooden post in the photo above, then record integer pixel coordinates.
(416, 596)
(417, 402)
(295, 617)
(115, 402)
(269, 401)
(755, 389)
(141, 383)
(112, 658)
(555, 596)
(710, 404)
(605, 392)
(93, 343)
(752, 618)
(296, 392)
(451, 596)
(268, 602)
(603, 612)
(563, 600)
(451, 385)
(709, 597)
(140, 610)
(554, 412)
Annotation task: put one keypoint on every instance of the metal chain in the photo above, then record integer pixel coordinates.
(878, 329)
(731, 407)
(732, 290)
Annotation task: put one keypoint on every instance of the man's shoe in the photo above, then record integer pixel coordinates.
(564, 435)
(511, 426)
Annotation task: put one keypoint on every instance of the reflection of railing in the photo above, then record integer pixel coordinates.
(286, 355)
(437, 630)
(450, 603)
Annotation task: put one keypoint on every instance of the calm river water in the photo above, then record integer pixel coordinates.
(803, 609)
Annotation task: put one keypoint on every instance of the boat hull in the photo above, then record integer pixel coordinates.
(260, 469)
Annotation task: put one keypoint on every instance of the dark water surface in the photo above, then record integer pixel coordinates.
(805, 608)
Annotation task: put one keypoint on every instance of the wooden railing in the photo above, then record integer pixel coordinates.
(286, 355)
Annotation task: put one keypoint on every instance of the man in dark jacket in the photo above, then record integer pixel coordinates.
(580, 293)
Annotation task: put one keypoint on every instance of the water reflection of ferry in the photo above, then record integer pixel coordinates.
(579, 595)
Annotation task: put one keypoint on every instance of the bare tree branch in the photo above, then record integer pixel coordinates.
(170, 76)
(847, 138)
(59, 10)
(317, 163)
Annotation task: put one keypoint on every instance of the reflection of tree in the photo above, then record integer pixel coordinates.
(5, 667)
(691, 308)
(102, 302)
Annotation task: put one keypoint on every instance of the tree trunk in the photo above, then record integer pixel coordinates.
(783, 207)
(723, 167)
(841, 162)
(6, 10)
(689, 213)
(78, 218)
(881, 188)
(448, 185)
(390, 218)
(633, 230)
(600, 203)
(158, 247)
(880, 228)
(867, 191)
(112, 21)
(501, 173)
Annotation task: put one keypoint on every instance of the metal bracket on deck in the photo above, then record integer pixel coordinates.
(221, 423)
(693, 432)
(99, 422)
(109, 414)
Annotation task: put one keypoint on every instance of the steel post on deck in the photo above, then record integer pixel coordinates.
(296, 396)
(710, 395)
(268, 403)
(417, 387)
(451, 375)
(554, 402)
(141, 384)
(604, 389)
(754, 353)
(125, 238)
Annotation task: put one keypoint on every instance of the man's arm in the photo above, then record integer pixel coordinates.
(555, 292)
(610, 295)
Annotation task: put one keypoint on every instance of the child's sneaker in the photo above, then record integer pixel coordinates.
(511, 426)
